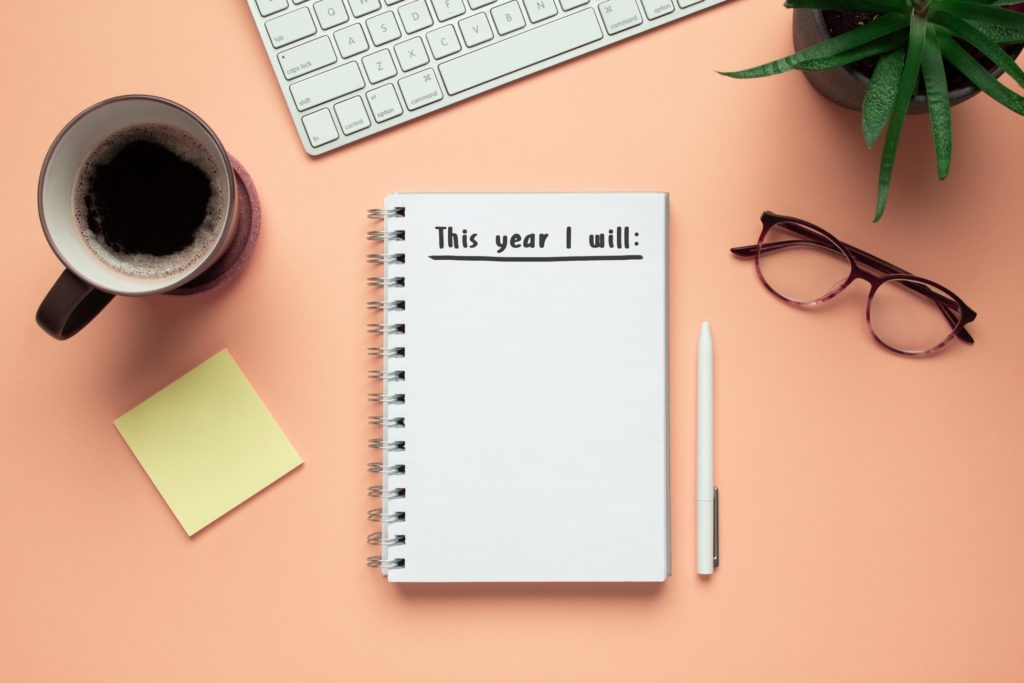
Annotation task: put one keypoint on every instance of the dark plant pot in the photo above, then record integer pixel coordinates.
(846, 86)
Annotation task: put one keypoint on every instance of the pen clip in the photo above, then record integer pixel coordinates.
(714, 546)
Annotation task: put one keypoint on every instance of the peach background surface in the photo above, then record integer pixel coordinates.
(872, 506)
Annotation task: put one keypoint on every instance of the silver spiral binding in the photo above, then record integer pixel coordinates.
(381, 352)
(382, 376)
(378, 467)
(386, 236)
(377, 538)
(386, 305)
(385, 259)
(382, 445)
(381, 421)
(388, 399)
(381, 328)
(387, 494)
(375, 562)
(378, 515)
(392, 450)
(377, 281)
(381, 214)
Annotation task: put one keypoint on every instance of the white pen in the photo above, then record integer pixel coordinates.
(707, 494)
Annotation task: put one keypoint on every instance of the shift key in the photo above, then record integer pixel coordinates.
(327, 86)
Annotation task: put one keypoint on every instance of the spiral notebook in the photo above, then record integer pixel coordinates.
(523, 388)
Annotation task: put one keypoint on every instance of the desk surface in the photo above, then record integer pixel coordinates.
(872, 512)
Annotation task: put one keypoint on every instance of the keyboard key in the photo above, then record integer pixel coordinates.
(307, 57)
(320, 127)
(539, 10)
(326, 86)
(420, 89)
(411, 54)
(383, 28)
(573, 4)
(619, 15)
(268, 7)
(299, 2)
(352, 115)
(379, 66)
(330, 13)
(520, 51)
(415, 16)
(287, 28)
(683, 4)
(384, 103)
(477, 4)
(360, 8)
(508, 17)
(395, 2)
(448, 9)
(657, 8)
(351, 41)
(475, 29)
(443, 42)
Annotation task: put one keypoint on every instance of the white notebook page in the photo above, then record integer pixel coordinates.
(535, 391)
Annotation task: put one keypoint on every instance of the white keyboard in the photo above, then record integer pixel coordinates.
(352, 68)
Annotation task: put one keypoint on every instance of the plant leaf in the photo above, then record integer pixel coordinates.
(884, 25)
(881, 96)
(1004, 35)
(876, 47)
(852, 5)
(986, 14)
(908, 84)
(988, 47)
(933, 68)
(977, 74)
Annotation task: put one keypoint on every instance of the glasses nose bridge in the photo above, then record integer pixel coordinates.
(858, 273)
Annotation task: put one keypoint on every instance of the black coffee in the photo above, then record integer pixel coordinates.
(149, 201)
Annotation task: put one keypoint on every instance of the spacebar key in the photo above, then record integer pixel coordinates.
(520, 51)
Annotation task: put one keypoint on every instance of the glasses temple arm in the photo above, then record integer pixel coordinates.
(746, 251)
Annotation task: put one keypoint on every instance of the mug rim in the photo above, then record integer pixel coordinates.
(229, 218)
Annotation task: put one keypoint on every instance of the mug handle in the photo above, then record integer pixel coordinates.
(70, 305)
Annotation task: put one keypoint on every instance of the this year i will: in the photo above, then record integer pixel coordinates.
(614, 238)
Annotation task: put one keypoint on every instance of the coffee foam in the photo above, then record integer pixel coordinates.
(148, 266)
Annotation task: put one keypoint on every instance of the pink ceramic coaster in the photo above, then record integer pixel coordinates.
(238, 254)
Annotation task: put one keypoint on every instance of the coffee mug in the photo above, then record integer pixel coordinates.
(97, 269)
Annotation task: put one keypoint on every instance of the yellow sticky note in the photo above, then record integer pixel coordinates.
(207, 442)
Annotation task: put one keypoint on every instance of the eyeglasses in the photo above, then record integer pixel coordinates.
(804, 265)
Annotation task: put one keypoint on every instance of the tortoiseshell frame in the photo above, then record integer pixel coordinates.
(953, 308)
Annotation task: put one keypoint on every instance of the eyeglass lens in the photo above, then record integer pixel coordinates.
(799, 267)
(911, 316)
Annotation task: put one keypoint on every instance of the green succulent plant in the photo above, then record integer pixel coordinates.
(913, 39)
